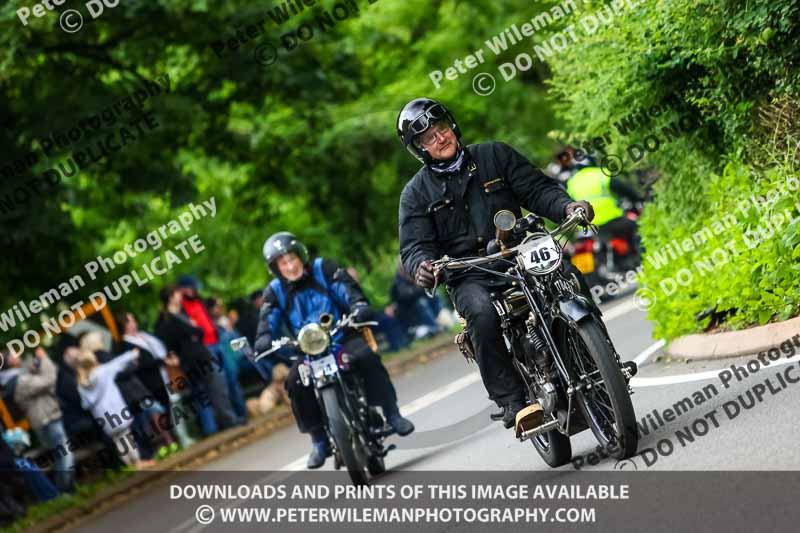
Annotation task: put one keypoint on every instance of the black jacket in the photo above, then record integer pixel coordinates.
(453, 215)
(76, 419)
(148, 370)
(132, 389)
(185, 339)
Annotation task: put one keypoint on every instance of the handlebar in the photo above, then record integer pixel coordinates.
(577, 218)
(241, 344)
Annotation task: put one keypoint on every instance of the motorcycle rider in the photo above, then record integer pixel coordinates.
(301, 291)
(566, 162)
(586, 181)
(448, 208)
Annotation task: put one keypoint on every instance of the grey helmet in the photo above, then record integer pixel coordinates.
(282, 243)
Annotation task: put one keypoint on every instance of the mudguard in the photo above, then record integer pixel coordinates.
(576, 308)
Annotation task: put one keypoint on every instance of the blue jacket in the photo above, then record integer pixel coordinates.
(324, 288)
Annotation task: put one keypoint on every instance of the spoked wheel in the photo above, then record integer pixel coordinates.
(375, 463)
(348, 444)
(604, 400)
(553, 446)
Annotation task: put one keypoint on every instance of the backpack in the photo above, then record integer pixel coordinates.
(319, 278)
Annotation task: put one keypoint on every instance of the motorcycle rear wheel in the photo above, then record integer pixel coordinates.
(344, 438)
(606, 406)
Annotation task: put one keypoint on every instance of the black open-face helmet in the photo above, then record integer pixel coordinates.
(416, 117)
(282, 243)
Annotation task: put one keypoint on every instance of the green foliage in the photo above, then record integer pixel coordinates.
(83, 495)
(747, 269)
(719, 62)
(306, 144)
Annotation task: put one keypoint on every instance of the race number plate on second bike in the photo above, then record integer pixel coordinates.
(541, 255)
(324, 366)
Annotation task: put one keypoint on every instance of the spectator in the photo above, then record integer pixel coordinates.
(269, 371)
(8, 378)
(232, 361)
(151, 372)
(78, 423)
(410, 306)
(12, 487)
(35, 393)
(135, 394)
(194, 308)
(36, 483)
(102, 397)
(233, 318)
(76, 419)
(179, 335)
(248, 321)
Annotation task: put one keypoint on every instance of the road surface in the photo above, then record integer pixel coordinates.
(449, 407)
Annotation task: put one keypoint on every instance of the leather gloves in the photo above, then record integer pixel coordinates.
(425, 277)
(362, 313)
(583, 204)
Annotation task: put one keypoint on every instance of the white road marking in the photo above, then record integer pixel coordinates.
(191, 525)
(642, 357)
(410, 408)
(432, 397)
(700, 376)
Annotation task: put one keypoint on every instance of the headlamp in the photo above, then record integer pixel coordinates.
(313, 340)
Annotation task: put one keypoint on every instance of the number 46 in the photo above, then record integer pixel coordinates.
(537, 256)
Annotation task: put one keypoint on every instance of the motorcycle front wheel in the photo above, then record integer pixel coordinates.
(554, 448)
(604, 400)
(344, 437)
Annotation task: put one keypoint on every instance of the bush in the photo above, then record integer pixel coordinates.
(723, 64)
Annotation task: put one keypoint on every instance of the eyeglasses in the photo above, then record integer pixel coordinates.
(427, 139)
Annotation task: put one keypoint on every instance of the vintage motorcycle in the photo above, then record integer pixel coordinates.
(605, 258)
(355, 428)
(558, 341)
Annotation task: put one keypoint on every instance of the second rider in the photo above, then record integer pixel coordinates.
(301, 291)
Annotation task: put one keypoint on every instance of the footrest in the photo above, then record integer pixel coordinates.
(382, 433)
(386, 450)
(497, 416)
(529, 418)
(629, 369)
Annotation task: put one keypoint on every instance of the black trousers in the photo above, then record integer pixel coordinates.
(502, 382)
(379, 388)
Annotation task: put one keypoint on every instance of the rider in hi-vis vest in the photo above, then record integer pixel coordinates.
(587, 181)
(592, 185)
